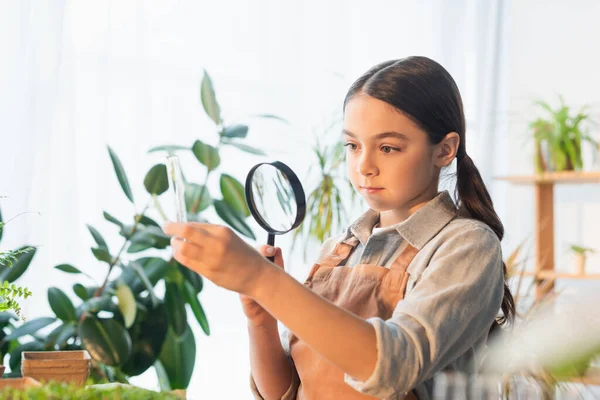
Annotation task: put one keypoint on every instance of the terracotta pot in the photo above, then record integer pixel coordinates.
(18, 383)
(61, 366)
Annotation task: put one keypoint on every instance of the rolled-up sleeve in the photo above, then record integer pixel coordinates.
(451, 306)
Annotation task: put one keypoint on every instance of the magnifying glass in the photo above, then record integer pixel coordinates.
(275, 198)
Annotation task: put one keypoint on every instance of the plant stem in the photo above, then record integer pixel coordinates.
(116, 259)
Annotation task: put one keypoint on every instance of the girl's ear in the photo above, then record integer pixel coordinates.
(446, 150)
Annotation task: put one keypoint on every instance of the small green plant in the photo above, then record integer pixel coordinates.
(581, 250)
(559, 138)
(12, 264)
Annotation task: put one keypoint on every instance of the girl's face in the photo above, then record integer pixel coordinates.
(387, 151)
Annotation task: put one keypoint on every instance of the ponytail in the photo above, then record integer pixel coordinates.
(474, 201)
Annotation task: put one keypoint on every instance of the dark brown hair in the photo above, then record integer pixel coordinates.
(424, 91)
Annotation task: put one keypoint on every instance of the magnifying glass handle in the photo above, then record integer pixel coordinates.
(271, 242)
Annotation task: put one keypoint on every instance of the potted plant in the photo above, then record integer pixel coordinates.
(559, 138)
(145, 329)
(580, 254)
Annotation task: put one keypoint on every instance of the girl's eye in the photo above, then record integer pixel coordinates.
(388, 149)
(350, 144)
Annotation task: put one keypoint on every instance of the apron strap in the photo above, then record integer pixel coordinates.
(402, 262)
(340, 252)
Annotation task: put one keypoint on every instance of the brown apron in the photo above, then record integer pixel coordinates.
(365, 290)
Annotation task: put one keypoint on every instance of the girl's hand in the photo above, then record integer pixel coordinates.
(218, 254)
(257, 315)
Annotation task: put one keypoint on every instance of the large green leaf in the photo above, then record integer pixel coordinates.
(192, 299)
(121, 175)
(106, 340)
(235, 131)
(61, 334)
(112, 219)
(178, 357)
(61, 304)
(170, 149)
(157, 181)
(194, 278)
(245, 147)
(234, 194)
(127, 304)
(140, 241)
(233, 218)
(19, 267)
(83, 292)
(175, 308)
(196, 199)
(206, 154)
(98, 237)
(15, 354)
(148, 335)
(154, 269)
(147, 221)
(30, 327)
(102, 255)
(163, 377)
(209, 99)
(97, 304)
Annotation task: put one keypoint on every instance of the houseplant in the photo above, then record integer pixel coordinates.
(123, 324)
(580, 254)
(559, 138)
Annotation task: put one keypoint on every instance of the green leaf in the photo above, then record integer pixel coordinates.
(6, 316)
(271, 116)
(15, 354)
(163, 377)
(98, 237)
(106, 340)
(234, 194)
(148, 336)
(140, 241)
(121, 176)
(30, 327)
(69, 330)
(68, 269)
(206, 154)
(97, 304)
(102, 255)
(154, 268)
(170, 149)
(19, 267)
(127, 304)
(83, 292)
(233, 218)
(192, 277)
(61, 304)
(112, 219)
(235, 131)
(157, 181)
(192, 299)
(194, 203)
(209, 100)
(178, 357)
(175, 308)
(245, 147)
(147, 221)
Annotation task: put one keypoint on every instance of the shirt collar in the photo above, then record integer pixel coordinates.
(418, 229)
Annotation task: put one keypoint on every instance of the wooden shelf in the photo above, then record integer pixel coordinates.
(560, 275)
(555, 177)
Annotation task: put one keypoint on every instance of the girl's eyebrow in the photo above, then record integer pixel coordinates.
(383, 135)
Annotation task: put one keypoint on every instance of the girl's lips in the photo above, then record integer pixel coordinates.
(371, 190)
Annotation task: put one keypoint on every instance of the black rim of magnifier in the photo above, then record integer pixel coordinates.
(296, 188)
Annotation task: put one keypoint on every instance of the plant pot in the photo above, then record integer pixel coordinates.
(18, 383)
(580, 263)
(61, 366)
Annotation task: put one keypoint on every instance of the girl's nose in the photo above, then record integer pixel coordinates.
(366, 165)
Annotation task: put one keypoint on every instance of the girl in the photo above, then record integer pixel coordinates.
(412, 287)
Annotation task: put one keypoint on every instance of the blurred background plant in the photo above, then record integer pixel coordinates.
(559, 138)
(123, 322)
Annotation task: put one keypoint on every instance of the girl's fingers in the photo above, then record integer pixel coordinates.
(185, 252)
(190, 232)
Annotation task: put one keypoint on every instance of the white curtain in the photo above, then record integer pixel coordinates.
(81, 75)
